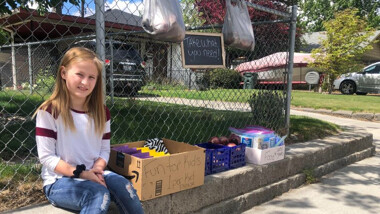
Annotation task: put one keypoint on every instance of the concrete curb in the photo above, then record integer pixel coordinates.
(261, 195)
(341, 113)
(237, 190)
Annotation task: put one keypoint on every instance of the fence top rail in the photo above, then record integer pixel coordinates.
(91, 36)
(268, 10)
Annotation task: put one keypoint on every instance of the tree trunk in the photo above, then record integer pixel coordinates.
(330, 83)
(330, 87)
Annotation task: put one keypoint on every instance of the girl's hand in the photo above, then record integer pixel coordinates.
(99, 172)
(92, 176)
(101, 178)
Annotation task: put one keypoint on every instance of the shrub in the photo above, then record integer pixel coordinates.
(268, 109)
(219, 78)
(45, 79)
(25, 85)
(225, 78)
(203, 80)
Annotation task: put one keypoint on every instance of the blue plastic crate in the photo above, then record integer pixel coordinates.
(237, 156)
(217, 158)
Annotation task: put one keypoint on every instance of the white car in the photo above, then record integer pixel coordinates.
(361, 83)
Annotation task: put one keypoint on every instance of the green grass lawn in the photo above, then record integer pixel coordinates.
(134, 120)
(21, 102)
(140, 120)
(355, 103)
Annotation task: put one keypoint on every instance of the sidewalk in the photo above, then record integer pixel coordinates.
(352, 189)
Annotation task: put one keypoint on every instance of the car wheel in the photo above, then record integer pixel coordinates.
(347, 87)
(361, 93)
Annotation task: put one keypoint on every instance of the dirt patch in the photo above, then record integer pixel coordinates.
(24, 195)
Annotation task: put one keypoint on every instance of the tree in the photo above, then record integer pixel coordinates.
(6, 6)
(191, 17)
(4, 37)
(314, 12)
(270, 38)
(347, 39)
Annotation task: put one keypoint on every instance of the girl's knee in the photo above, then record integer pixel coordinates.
(99, 197)
(105, 200)
(131, 191)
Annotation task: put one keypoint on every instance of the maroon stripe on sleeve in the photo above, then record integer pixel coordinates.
(49, 109)
(107, 136)
(46, 133)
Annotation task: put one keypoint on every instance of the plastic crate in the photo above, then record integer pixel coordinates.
(217, 158)
(237, 156)
(221, 158)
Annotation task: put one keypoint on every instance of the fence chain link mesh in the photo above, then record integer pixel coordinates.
(149, 92)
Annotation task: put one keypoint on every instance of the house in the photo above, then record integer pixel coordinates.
(40, 41)
(313, 40)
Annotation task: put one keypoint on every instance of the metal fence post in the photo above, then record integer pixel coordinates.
(14, 73)
(30, 69)
(111, 71)
(100, 37)
(290, 66)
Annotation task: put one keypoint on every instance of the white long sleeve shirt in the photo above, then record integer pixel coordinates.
(55, 142)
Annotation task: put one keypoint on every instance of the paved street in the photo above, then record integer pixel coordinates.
(353, 189)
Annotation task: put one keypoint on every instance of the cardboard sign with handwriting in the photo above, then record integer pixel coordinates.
(154, 177)
(259, 156)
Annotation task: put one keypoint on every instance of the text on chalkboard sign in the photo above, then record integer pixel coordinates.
(203, 50)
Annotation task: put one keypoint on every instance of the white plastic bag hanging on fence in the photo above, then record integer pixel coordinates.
(237, 28)
(163, 19)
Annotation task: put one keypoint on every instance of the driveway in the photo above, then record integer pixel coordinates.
(353, 189)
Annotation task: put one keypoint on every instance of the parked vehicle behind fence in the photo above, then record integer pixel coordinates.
(124, 67)
(361, 83)
(271, 69)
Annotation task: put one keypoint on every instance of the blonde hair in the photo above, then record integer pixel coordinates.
(60, 98)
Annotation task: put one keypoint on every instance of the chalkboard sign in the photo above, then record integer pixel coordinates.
(203, 50)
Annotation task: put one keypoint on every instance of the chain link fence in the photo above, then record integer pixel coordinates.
(149, 92)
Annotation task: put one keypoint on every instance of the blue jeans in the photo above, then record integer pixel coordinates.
(90, 197)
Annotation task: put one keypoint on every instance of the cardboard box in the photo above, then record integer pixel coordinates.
(183, 169)
(259, 156)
